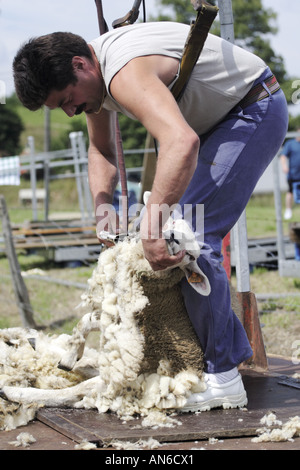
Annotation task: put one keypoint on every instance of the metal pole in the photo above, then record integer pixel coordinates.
(248, 301)
(73, 139)
(278, 209)
(239, 231)
(83, 171)
(47, 129)
(121, 162)
(33, 177)
(226, 20)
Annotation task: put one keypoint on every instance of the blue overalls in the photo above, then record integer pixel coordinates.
(232, 158)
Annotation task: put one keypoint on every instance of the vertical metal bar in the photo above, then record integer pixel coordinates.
(33, 177)
(226, 20)
(83, 170)
(47, 186)
(122, 170)
(47, 129)
(73, 139)
(240, 238)
(278, 209)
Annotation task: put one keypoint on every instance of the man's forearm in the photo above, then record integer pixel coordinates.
(175, 169)
(103, 178)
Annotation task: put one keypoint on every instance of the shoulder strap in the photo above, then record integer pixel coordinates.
(206, 14)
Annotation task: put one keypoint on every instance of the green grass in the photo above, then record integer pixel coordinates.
(34, 125)
(261, 216)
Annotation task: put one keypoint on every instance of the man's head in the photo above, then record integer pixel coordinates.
(45, 64)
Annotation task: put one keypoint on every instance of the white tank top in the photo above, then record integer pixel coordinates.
(222, 76)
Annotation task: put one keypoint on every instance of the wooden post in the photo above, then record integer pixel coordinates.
(19, 286)
(253, 330)
(149, 166)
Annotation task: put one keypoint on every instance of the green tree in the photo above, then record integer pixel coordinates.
(11, 127)
(252, 22)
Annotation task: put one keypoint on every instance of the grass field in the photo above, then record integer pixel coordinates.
(34, 125)
(52, 302)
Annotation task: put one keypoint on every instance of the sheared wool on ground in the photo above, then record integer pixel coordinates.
(23, 366)
(149, 358)
(281, 433)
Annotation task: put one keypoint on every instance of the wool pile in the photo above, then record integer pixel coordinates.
(23, 366)
(148, 361)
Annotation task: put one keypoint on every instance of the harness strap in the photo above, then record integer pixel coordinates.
(206, 14)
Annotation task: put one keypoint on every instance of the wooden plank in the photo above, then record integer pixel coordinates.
(54, 244)
(50, 231)
(103, 428)
(264, 394)
(46, 438)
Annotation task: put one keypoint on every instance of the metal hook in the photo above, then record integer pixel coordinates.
(131, 16)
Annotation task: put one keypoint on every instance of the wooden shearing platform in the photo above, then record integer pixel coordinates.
(268, 391)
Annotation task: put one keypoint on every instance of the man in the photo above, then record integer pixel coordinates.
(290, 161)
(213, 147)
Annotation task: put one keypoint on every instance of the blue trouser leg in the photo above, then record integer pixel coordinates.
(231, 160)
(297, 251)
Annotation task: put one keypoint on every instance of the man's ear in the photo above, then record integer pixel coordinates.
(78, 63)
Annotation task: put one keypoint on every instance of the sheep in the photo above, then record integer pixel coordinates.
(149, 358)
(35, 368)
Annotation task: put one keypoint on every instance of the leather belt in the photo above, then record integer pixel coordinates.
(258, 92)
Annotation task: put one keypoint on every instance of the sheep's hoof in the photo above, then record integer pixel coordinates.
(3, 396)
(63, 367)
(32, 342)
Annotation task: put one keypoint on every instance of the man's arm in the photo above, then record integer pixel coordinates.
(284, 163)
(140, 89)
(102, 165)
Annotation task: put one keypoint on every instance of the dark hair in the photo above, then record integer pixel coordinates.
(44, 64)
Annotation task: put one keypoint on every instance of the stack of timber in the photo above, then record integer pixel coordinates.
(63, 240)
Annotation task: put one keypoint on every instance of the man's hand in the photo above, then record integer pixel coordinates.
(155, 246)
(157, 254)
(107, 223)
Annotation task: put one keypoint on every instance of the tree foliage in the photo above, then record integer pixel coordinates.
(252, 24)
(11, 127)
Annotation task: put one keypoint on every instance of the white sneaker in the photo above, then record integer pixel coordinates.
(227, 395)
(288, 214)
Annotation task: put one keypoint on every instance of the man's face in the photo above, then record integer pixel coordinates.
(84, 96)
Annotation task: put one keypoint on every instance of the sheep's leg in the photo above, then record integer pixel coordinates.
(53, 398)
(89, 322)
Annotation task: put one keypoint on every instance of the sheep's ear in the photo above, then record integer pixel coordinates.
(197, 279)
